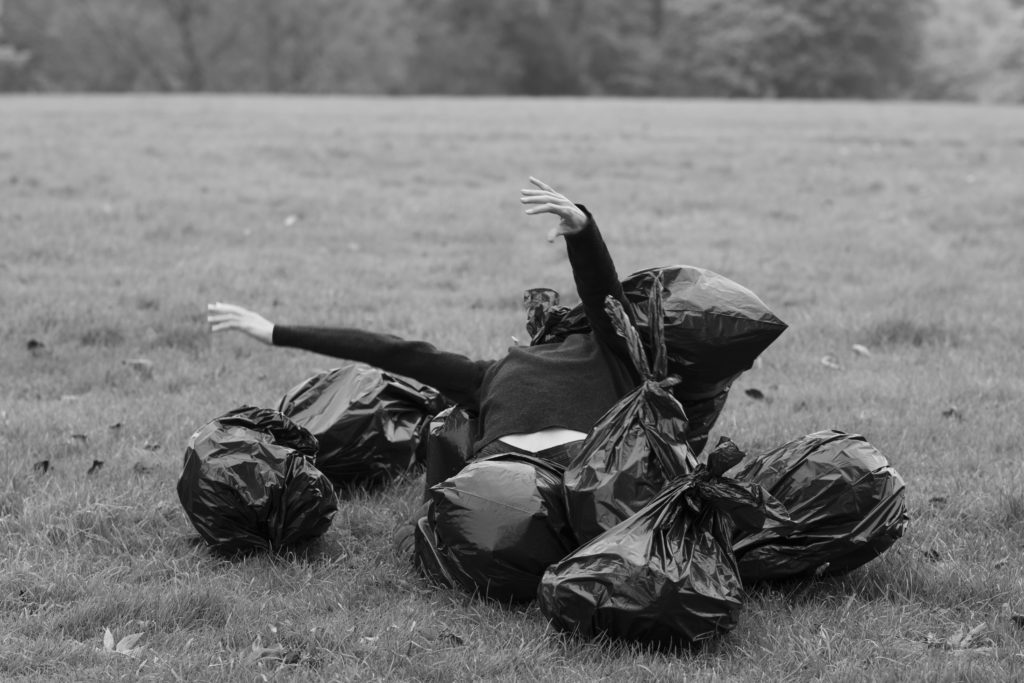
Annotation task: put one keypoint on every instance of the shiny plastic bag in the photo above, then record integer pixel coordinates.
(369, 423)
(846, 502)
(249, 482)
(714, 329)
(667, 575)
(497, 526)
(636, 448)
(448, 445)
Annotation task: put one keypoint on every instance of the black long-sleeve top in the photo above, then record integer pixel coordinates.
(569, 384)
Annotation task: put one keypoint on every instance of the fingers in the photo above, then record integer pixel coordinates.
(542, 185)
(546, 199)
(534, 196)
(225, 308)
(223, 316)
(557, 209)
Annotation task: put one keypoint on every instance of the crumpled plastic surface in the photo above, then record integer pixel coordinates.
(369, 423)
(714, 330)
(249, 482)
(666, 576)
(636, 448)
(846, 502)
(448, 445)
(496, 526)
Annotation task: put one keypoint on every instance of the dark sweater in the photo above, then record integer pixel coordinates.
(569, 384)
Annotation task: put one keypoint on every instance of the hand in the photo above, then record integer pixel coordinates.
(223, 317)
(548, 201)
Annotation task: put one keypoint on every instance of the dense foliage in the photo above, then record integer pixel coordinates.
(734, 48)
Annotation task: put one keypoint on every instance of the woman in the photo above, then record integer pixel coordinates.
(537, 399)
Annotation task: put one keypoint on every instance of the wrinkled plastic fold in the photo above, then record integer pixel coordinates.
(635, 449)
(846, 501)
(448, 445)
(249, 482)
(496, 526)
(667, 575)
(369, 423)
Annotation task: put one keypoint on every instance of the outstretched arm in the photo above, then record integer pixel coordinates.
(592, 266)
(454, 375)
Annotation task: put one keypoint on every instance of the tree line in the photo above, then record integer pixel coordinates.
(948, 49)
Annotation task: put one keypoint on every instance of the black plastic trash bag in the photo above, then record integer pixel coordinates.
(369, 423)
(846, 502)
(666, 576)
(636, 448)
(249, 482)
(714, 330)
(498, 524)
(448, 445)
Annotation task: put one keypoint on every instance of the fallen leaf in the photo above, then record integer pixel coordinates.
(831, 362)
(861, 350)
(961, 640)
(96, 465)
(143, 367)
(256, 653)
(952, 411)
(126, 645)
(453, 638)
(755, 394)
(37, 348)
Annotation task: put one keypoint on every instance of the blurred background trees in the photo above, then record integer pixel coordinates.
(951, 49)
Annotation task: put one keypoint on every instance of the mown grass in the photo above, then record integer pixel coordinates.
(893, 226)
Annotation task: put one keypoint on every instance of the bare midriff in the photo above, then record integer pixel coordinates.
(534, 442)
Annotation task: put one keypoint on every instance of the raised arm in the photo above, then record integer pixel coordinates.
(454, 375)
(592, 266)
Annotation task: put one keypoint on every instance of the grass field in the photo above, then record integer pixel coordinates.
(899, 227)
